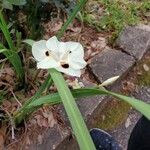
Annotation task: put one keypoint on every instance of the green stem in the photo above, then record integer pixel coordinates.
(78, 125)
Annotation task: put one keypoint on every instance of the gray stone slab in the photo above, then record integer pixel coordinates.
(122, 132)
(86, 105)
(143, 93)
(52, 137)
(135, 40)
(110, 63)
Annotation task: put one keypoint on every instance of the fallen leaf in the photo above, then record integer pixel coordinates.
(128, 122)
(40, 138)
(2, 141)
(2, 136)
(50, 119)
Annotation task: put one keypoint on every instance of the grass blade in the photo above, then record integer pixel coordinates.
(12, 55)
(15, 60)
(6, 33)
(3, 50)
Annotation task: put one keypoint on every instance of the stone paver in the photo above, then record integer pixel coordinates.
(135, 40)
(122, 133)
(111, 63)
(51, 138)
(86, 105)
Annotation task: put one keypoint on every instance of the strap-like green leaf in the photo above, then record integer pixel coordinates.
(141, 106)
(3, 50)
(12, 55)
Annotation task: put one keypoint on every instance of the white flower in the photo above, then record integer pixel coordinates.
(66, 57)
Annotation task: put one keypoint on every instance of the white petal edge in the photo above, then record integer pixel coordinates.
(38, 50)
(75, 48)
(78, 63)
(47, 63)
(62, 49)
(70, 71)
(76, 57)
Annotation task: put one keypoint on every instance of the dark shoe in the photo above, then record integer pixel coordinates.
(103, 140)
(140, 136)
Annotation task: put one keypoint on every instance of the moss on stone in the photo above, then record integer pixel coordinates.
(144, 78)
(115, 111)
(113, 115)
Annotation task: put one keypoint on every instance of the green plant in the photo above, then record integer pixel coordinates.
(114, 14)
(11, 52)
(76, 120)
(65, 96)
(145, 6)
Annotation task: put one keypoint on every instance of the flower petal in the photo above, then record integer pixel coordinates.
(75, 48)
(62, 48)
(70, 71)
(52, 44)
(38, 50)
(47, 63)
(75, 58)
(79, 63)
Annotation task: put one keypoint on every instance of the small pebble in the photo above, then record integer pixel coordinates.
(146, 67)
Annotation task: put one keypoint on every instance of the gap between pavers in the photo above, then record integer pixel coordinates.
(108, 63)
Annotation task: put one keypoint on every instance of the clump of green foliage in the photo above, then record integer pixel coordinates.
(115, 14)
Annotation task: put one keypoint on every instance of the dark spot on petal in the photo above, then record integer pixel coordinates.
(47, 53)
(70, 52)
(65, 66)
